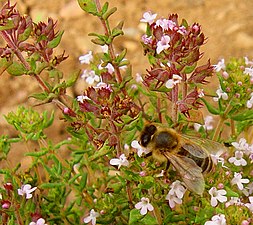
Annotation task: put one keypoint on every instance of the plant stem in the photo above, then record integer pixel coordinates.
(174, 100)
(157, 214)
(18, 53)
(110, 46)
(221, 122)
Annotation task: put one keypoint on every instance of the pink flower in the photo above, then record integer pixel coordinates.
(121, 161)
(217, 220)
(176, 79)
(86, 58)
(26, 190)
(92, 217)
(40, 221)
(217, 195)
(144, 206)
(163, 44)
(175, 194)
(148, 17)
(239, 181)
(238, 160)
(140, 150)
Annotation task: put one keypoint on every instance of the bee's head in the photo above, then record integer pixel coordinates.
(165, 139)
(147, 134)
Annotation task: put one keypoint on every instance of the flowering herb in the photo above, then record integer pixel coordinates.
(104, 122)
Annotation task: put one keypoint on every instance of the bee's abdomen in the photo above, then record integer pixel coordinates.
(206, 164)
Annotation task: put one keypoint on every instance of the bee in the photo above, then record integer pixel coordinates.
(189, 155)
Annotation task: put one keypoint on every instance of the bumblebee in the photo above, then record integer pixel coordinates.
(189, 155)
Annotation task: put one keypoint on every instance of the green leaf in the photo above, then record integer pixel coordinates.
(72, 79)
(24, 36)
(101, 152)
(231, 193)
(121, 56)
(51, 185)
(98, 41)
(4, 64)
(9, 24)
(39, 96)
(56, 41)
(136, 218)
(210, 108)
(16, 69)
(83, 181)
(37, 154)
(246, 115)
(88, 6)
(107, 14)
(105, 7)
(117, 31)
(189, 69)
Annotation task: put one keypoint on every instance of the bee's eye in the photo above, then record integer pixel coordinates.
(145, 139)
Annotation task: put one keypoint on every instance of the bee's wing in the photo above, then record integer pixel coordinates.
(200, 147)
(190, 172)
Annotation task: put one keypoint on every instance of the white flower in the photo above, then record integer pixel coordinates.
(250, 204)
(248, 190)
(238, 160)
(233, 201)
(86, 58)
(109, 67)
(103, 85)
(40, 221)
(173, 200)
(217, 220)
(217, 195)
(121, 161)
(138, 78)
(217, 158)
(247, 61)
(207, 125)
(92, 217)
(163, 44)
(175, 194)
(221, 94)
(148, 17)
(241, 145)
(239, 181)
(177, 189)
(80, 98)
(165, 24)
(220, 65)
(144, 206)
(140, 150)
(90, 77)
(176, 79)
(248, 71)
(250, 102)
(26, 190)
(104, 48)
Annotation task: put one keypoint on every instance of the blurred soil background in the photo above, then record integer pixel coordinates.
(228, 25)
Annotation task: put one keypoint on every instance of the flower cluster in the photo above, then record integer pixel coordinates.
(22, 33)
(173, 51)
(236, 79)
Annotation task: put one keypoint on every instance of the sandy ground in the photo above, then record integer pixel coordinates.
(228, 24)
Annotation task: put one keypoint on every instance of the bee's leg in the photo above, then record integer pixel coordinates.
(167, 165)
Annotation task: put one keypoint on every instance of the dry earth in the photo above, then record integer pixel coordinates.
(228, 24)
